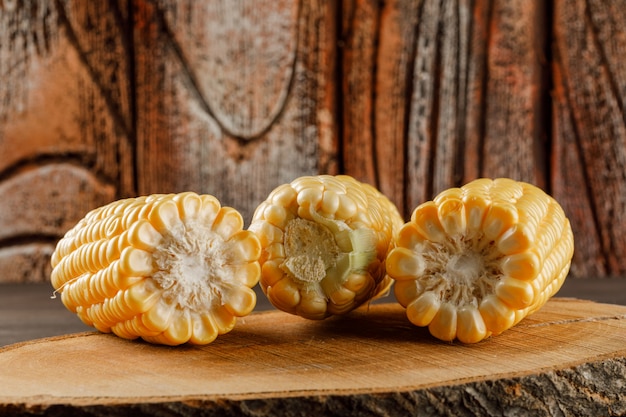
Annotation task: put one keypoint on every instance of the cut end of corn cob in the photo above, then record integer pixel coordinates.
(477, 259)
(324, 241)
(171, 269)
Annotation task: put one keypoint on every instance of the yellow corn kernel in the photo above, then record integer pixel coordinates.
(312, 305)
(443, 326)
(478, 259)
(497, 315)
(327, 256)
(284, 294)
(425, 218)
(407, 292)
(359, 283)
(204, 330)
(422, 309)
(402, 264)
(170, 269)
(470, 326)
(341, 296)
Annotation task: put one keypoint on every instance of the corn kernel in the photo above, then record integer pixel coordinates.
(421, 310)
(443, 326)
(471, 327)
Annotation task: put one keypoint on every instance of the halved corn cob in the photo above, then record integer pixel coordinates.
(477, 259)
(170, 269)
(324, 240)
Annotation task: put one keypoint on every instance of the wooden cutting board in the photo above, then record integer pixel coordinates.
(571, 355)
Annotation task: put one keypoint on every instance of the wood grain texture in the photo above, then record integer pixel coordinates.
(590, 86)
(515, 136)
(64, 147)
(443, 92)
(231, 102)
(569, 356)
(103, 100)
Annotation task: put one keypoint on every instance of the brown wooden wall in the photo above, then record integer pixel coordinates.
(107, 99)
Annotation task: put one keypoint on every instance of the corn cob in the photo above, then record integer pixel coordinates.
(324, 241)
(170, 269)
(477, 259)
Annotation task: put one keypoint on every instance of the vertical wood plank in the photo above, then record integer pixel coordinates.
(64, 142)
(477, 64)
(568, 183)
(359, 32)
(435, 138)
(515, 137)
(423, 120)
(458, 93)
(395, 60)
(590, 141)
(234, 100)
(377, 57)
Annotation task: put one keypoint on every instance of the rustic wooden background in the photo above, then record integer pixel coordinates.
(107, 99)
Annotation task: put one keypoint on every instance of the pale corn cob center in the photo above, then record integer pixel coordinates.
(322, 251)
(310, 251)
(461, 270)
(189, 266)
